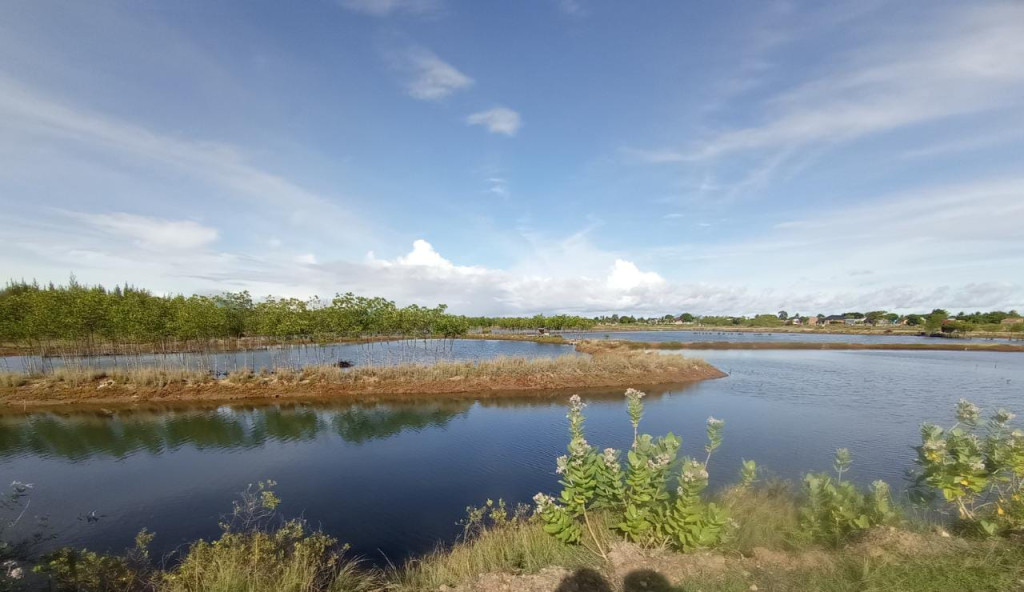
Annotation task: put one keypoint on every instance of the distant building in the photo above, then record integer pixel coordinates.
(812, 320)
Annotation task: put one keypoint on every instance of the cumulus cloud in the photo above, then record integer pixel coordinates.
(152, 232)
(499, 120)
(625, 276)
(430, 78)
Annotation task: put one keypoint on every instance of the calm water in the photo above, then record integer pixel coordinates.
(394, 352)
(393, 479)
(741, 337)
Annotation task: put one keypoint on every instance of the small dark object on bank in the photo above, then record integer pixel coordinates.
(344, 364)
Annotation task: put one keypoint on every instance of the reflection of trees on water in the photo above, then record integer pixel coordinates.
(361, 424)
(82, 436)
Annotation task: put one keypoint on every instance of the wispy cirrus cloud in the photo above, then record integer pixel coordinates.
(499, 120)
(964, 61)
(151, 232)
(388, 7)
(428, 77)
(69, 138)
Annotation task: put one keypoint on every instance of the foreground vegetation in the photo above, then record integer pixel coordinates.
(496, 377)
(616, 526)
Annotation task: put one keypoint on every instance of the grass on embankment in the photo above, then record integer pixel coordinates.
(484, 378)
(767, 551)
(598, 346)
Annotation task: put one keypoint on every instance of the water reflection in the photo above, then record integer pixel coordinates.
(83, 436)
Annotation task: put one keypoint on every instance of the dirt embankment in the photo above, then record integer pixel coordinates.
(596, 346)
(491, 378)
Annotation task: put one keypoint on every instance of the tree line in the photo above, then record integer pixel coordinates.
(84, 316)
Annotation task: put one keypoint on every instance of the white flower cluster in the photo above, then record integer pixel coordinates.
(634, 395)
(978, 466)
(659, 462)
(12, 569)
(936, 445)
(715, 423)
(576, 404)
(967, 412)
(543, 502)
(561, 464)
(1003, 416)
(579, 447)
(611, 458)
(694, 471)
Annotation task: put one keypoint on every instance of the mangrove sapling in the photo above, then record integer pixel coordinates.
(982, 478)
(835, 509)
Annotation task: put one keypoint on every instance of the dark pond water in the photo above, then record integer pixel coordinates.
(746, 337)
(393, 352)
(394, 479)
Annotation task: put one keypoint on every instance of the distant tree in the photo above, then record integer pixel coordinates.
(686, 317)
(783, 315)
(874, 316)
(935, 320)
(915, 320)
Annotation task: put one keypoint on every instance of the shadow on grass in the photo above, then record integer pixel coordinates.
(589, 580)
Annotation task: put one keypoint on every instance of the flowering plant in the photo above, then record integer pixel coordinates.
(638, 496)
(980, 475)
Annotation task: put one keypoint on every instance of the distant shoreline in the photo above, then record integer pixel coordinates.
(891, 331)
(596, 346)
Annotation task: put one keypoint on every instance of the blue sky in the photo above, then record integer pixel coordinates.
(517, 157)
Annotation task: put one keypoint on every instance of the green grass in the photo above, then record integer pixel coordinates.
(766, 553)
(995, 567)
(518, 548)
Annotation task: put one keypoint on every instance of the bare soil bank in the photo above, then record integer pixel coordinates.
(594, 346)
(492, 378)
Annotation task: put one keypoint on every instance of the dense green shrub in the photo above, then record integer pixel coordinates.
(836, 509)
(980, 475)
(638, 498)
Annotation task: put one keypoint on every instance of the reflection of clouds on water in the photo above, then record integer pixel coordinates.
(86, 435)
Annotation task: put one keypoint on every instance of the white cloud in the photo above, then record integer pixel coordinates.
(28, 117)
(498, 186)
(152, 232)
(964, 62)
(388, 7)
(306, 259)
(429, 77)
(499, 120)
(626, 276)
(572, 7)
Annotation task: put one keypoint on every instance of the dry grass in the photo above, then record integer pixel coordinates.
(483, 378)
